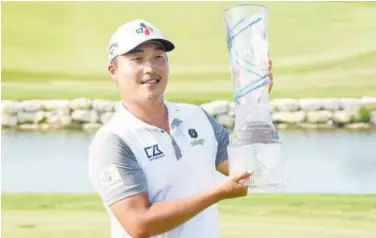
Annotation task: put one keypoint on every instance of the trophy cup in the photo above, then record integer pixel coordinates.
(254, 143)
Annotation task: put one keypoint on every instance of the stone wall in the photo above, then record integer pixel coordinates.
(87, 114)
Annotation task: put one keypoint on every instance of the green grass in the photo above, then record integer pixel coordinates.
(319, 49)
(259, 216)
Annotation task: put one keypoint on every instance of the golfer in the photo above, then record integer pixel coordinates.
(154, 162)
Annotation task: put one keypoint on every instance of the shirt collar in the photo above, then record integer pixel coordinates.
(173, 117)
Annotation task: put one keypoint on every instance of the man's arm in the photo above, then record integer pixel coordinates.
(142, 219)
(120, 181)
(223, 168)
(222, 137)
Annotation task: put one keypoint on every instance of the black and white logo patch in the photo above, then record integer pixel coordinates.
(153, 152)
(192, 133)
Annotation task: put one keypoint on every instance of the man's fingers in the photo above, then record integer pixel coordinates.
(270, 64)
(270, 86)
(271, 77)
(242, 176)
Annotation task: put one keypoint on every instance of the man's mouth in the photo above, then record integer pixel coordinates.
(150, 81)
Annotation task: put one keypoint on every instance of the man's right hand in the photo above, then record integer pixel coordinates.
(232, 187)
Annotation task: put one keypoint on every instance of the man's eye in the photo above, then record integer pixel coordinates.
(159, 56)
(136, 59)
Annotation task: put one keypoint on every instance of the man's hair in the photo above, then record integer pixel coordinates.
(114, 61)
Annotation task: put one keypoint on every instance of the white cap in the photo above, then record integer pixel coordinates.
(132, 34)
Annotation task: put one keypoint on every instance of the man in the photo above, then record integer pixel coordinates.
(154, 162)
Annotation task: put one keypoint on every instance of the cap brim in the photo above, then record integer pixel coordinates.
(168, 45)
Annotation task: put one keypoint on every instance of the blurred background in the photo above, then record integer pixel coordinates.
(51, 50)
(58, 50)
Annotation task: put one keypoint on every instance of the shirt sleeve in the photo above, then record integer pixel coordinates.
(222, 137)
(113, 169)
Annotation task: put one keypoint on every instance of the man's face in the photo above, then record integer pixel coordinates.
(142, 73)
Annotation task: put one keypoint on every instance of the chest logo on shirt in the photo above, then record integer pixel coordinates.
(194, 141)
(192, 133)
(153, 152)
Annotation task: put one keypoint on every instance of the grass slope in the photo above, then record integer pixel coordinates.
(319, 49)
(263, 216)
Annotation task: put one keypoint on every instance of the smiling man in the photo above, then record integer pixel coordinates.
(154, 162)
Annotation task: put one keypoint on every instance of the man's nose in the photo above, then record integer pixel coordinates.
(149, 66)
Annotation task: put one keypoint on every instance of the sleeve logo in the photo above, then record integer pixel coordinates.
(110, 178)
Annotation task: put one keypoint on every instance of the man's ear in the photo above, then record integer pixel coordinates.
(112, 71)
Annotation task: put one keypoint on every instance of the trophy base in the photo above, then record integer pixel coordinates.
(264, 164)
(264, 184)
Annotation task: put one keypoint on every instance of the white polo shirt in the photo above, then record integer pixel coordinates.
(128, 156)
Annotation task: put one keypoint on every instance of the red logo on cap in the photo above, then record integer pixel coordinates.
(144, 29)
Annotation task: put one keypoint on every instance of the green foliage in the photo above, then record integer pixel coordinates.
(364, 114)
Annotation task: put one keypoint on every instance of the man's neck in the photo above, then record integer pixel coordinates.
(153, 113)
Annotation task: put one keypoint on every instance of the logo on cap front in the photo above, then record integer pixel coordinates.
(147, 30)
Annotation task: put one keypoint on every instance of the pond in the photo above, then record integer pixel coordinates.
(316, 161)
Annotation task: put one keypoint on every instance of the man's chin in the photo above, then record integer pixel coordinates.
(153, 97)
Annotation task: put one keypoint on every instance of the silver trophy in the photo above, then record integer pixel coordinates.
(254, 144)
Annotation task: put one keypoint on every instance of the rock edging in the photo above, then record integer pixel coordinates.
(87, 114)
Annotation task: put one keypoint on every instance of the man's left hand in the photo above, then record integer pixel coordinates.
(270, 63)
